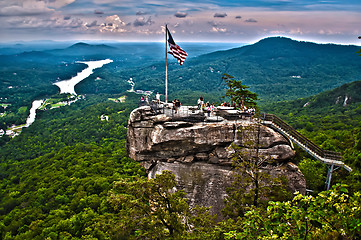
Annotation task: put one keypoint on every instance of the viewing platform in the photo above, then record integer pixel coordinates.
(194, 114)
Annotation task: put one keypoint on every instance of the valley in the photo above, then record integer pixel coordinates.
(68, 175)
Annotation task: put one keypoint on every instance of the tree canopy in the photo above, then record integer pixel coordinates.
(239, 93)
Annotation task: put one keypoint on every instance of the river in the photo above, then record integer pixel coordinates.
(32, 115)
(68, 86)
(15, 130)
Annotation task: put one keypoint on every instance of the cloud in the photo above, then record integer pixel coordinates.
(220, 15)
(112, 24)
(213, 24)
(30, 7)
(21, 11)
(75, 23)
(92, 24)
(238, 17)
(66, 17)
(180, 14)
(38, 24)
(140, 13)
(54, 3)
(139, 22)
(296, 31)
(251, 20)
(217, 29)
(98, 12)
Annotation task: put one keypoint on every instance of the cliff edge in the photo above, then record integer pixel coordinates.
(197, 150)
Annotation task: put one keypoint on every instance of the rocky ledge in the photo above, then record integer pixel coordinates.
(199, 153)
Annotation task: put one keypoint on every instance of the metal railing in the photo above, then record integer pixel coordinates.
(184, 113)
(325, 156)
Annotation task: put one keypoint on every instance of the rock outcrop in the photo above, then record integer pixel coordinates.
(199, 153)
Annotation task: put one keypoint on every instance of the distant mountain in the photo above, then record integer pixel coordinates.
(276, 68)
(94, 47)
(84, 49)
(16, 48)
(346, 98)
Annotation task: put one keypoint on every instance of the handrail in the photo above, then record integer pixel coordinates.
(326, 156)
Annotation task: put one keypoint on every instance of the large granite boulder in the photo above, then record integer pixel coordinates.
(199, 153)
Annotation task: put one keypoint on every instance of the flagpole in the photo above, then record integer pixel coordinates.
(166, 67)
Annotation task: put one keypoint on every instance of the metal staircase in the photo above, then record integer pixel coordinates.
(333, 160)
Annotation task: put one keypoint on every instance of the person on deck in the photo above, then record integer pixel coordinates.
(177, 105)
(201, 103)
(212, 108)
(157, 97)
(142, 101)
(208, 109)
(174, 107)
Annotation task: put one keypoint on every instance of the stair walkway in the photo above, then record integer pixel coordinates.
(330, 158)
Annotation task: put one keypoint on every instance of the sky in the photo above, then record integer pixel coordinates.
(243, 21)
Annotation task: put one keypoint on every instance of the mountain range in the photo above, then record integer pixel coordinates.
(275, 68)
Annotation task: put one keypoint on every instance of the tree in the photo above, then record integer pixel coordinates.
(314, 172)
(253, 186)
(238, 92)
(333, 214)
(153, 209)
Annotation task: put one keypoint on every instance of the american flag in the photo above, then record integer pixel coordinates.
(175, 50)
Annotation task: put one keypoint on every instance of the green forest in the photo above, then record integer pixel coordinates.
(67, 176)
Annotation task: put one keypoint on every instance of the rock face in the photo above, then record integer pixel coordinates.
(199, 153)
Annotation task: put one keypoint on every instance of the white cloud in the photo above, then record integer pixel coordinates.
(296, 31)
(139, 22)
(15, 10)
(217, 29)
(277, 32)
(30, 7)
(46, 23)
(55, 3)
(112, 24)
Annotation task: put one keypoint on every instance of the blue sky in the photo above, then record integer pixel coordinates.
(244, 21)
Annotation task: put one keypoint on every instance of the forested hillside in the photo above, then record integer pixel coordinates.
(332, 120)
(276, 68)
(55, 176)
(67, 177)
